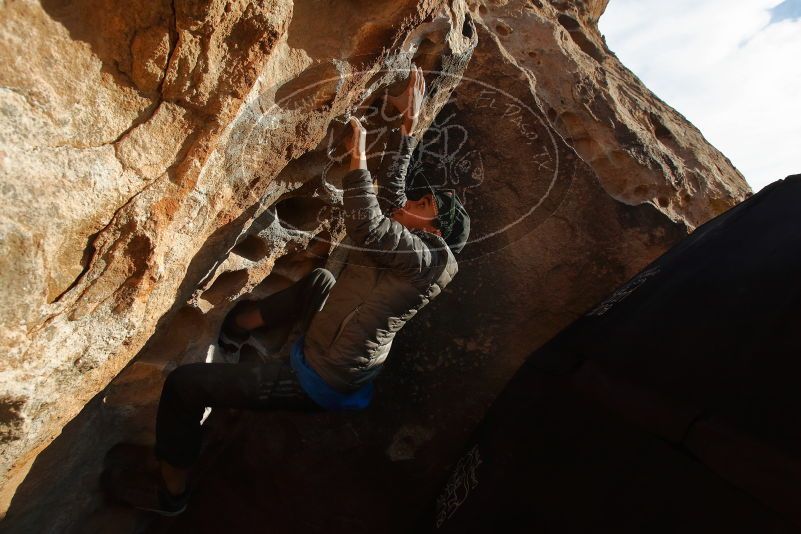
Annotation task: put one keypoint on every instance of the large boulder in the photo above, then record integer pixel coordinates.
(162, 161)
(128, 176)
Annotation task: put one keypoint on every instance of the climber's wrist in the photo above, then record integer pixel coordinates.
(358, 161)
(409, 126)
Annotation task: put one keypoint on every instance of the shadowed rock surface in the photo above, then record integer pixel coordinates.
(162, 161)
(672, 405)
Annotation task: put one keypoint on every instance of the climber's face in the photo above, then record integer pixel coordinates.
(418, 214)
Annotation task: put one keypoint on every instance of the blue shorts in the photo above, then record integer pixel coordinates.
(319, 390)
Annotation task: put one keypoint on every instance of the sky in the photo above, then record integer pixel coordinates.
(732, 67)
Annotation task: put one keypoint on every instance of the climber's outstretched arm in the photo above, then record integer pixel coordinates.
(410, 101)
(392, 184)
(386, 241)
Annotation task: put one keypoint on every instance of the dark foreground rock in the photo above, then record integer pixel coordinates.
(180, 158)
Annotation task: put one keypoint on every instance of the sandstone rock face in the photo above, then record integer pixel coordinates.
(127, 177)
(161, 161)
(641, 149)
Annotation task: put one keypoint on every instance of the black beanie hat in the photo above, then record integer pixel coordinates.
(452, 219)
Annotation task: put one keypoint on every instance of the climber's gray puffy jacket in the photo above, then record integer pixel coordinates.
(390, 274)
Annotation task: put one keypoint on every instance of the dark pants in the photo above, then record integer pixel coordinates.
(189, 389)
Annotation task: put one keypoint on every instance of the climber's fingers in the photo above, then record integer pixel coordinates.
(357, 126)
(416, 92)
(416, 83)
(412, 77)
(358, 140)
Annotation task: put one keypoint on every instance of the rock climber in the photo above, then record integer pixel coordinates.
(400, 256)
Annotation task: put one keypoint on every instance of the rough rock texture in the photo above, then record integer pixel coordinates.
(641, 149)
(161, 161)
(121, 199)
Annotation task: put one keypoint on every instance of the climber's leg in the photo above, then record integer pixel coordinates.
(300, 301)
(189, 389)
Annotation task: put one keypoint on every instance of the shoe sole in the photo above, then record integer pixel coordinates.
(165, 513)
(229, 344)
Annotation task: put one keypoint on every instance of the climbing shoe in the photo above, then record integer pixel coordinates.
(143, 490)
(232, 336)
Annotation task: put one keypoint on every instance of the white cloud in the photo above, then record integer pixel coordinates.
(724, 67)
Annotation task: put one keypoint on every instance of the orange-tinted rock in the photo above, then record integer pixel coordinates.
(160, 162)
(137, 151)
